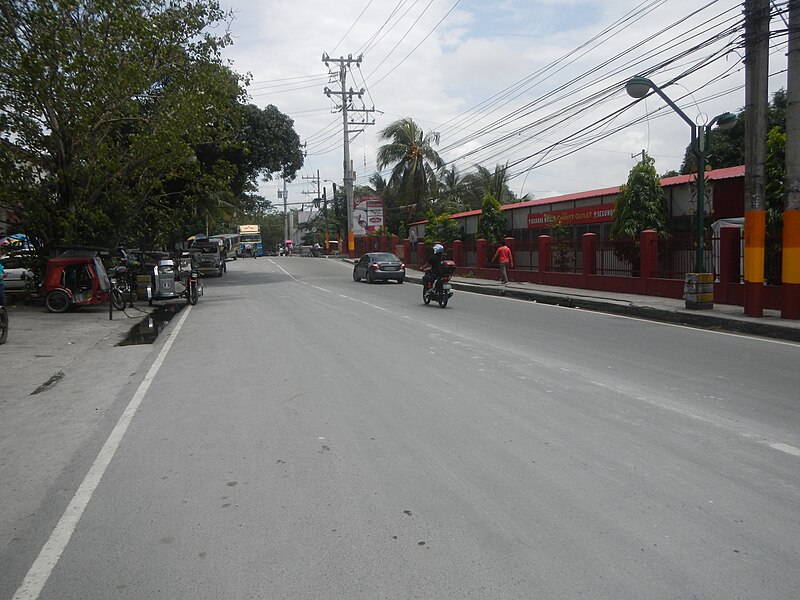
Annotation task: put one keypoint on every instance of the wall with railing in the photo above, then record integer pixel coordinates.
(648, 266)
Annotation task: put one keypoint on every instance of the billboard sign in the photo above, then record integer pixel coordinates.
(367, 214)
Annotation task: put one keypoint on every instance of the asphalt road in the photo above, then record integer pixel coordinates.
(298, 435)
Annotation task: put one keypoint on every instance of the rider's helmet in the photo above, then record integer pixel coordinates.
(438, 248)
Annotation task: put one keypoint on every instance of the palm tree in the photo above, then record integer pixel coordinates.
(415, 162)
(451, 189)
(483, 182)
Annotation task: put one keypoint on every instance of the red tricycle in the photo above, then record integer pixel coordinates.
(76, 280)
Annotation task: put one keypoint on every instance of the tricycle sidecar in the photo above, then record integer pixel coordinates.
(73, 281)
(170, 280)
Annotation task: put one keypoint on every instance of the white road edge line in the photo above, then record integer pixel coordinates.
(50, 554)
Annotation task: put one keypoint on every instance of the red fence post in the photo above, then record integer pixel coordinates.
(458, 253)
(420, 253)
(589, 265)
(545, 253)
(730, 239)
(480, 254)
(648, 256)
(407, 250)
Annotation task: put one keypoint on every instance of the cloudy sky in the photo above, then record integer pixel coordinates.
(537, 84)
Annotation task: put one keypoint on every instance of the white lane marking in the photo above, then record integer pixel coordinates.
(50, 554)
(786, 448)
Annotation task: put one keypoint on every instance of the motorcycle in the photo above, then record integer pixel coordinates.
(118, 277)
(440, 288)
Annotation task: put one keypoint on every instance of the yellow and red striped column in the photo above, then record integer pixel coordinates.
(754, 238)
(790, 273)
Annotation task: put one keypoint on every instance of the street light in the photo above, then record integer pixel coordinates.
(639, 87)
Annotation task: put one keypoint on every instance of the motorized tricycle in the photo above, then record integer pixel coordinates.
(170, 281)
(76, 280)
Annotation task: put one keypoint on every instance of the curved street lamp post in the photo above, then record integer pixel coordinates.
(639, 87)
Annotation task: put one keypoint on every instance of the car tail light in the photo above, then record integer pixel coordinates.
(402, 266)
(376, 267)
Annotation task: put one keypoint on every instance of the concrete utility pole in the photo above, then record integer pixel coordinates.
(346, 97)
(285, 212)
(790, 277)
(756, 23)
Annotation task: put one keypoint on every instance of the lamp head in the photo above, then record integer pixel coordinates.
(725, 120)
(638, 87)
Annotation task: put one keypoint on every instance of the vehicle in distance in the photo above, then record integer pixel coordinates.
(379, 266)
(17, 276)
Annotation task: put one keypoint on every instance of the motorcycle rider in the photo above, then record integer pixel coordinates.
(433, 268)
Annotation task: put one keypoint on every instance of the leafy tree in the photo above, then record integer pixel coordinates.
(491, 222)
(414, 161)
(262, 142)
(103, 104)
(641, 205)
(442, 228)
(727, 147)
(563, 253)
(268, 144)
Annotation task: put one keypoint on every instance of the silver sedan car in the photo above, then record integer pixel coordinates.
(379, 266)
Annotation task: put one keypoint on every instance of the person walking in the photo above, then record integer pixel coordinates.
(504, 257)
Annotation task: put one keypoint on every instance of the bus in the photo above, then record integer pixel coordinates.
(250, 240)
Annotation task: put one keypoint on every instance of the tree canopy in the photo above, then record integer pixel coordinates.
(727, 146)
(119, 120)
(491, 222)
(641, 203)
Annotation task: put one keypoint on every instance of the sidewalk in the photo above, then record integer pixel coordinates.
(722, 317)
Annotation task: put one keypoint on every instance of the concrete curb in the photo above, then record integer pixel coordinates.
(700, 319)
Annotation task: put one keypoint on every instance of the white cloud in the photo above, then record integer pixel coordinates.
(478, 50)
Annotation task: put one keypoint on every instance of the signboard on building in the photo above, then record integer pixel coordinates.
(367, 213)
(586, 215)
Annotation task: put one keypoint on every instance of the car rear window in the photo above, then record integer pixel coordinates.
(385, 257)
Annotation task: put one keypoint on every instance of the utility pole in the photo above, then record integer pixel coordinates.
(317, 201)
(313, 178)
(285, 212)
(346, 98)
(756, 60)
(790, 276)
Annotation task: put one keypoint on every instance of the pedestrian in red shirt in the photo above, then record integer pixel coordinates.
(506, 260)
